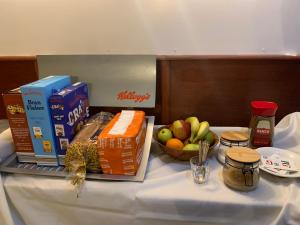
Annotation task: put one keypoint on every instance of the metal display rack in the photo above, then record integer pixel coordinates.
(11, 165)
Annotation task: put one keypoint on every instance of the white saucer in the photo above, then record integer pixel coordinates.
(268, 151)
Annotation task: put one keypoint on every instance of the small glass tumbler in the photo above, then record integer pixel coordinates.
(200, 172)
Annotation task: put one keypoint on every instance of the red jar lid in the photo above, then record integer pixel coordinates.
(263, 108)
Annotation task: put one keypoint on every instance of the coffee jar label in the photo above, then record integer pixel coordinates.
(262, 134)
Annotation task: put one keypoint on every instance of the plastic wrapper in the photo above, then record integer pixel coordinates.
(82, 155)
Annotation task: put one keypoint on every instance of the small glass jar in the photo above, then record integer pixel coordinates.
(262, 123)
(241, 168)
(231, 139)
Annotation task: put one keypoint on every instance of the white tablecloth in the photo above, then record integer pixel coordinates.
(167, 196)
(6, 148)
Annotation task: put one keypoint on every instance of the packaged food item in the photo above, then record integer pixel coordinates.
(69, 111)
(16, 116)
(82, 154)
(241, 168)
(120, 144)
(35, 98)
(75, 163)
(262, 123)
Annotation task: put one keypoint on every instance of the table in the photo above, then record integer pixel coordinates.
(5, 150)
(167, 196)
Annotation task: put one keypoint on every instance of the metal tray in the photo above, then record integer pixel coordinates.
(11, 165)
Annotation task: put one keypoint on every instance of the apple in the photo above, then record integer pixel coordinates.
(164, 135)
(209, 137)
(181, 129)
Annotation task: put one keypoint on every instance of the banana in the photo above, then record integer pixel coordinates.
(194, 126)
(203, 130)
(191, 147)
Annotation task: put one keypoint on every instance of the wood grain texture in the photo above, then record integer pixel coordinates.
(219, 89)
(163, 90)
(215, 88)
(14, 72)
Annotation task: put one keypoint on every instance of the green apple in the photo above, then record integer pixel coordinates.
(209, 137)
(164, 135)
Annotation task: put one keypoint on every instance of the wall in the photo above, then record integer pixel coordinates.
(149, 27)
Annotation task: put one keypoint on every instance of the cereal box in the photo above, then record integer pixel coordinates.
(69, 111)
(120, 144)
(16, 116)
(35, 98)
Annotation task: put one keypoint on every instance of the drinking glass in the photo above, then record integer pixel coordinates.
(200, 172)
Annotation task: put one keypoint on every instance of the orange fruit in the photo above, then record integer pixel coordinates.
(175, 143)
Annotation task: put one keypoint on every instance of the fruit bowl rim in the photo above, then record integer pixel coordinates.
(191, 152)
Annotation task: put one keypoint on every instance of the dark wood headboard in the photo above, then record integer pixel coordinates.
(219, 89)
(14, 72)
(214, 88)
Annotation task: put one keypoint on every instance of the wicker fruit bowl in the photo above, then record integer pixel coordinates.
(181, 154)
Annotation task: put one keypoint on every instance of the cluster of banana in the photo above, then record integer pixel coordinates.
(185, 134)
(199, 131)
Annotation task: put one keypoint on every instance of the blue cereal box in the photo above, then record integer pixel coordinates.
(69, 111)
(35, 98)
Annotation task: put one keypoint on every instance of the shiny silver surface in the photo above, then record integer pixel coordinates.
(108, 77)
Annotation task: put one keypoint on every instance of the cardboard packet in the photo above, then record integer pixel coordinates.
(69, 111)
(35, 98)
(120, 144)
(18, 125)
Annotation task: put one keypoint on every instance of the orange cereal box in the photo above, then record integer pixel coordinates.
(120, 144)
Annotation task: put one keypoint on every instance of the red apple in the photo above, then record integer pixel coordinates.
(181, 129)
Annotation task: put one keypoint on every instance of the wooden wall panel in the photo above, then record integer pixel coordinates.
(214, 88)
(219, 88)
(16, 71)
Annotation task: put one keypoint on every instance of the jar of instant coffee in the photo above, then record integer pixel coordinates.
(231, 139)
(241, 168)
(262, 123)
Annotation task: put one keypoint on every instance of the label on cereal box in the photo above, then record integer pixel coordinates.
(17, 121)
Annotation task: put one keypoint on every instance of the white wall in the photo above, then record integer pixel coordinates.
(149, 27)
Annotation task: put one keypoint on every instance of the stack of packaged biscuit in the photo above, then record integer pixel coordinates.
(121, 143)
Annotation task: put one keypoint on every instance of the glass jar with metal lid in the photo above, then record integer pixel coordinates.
(241, 168)
(231, 139)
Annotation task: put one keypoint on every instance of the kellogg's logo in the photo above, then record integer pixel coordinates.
(58, 106)
(133, 96)
(15, 109)
(32, 92)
